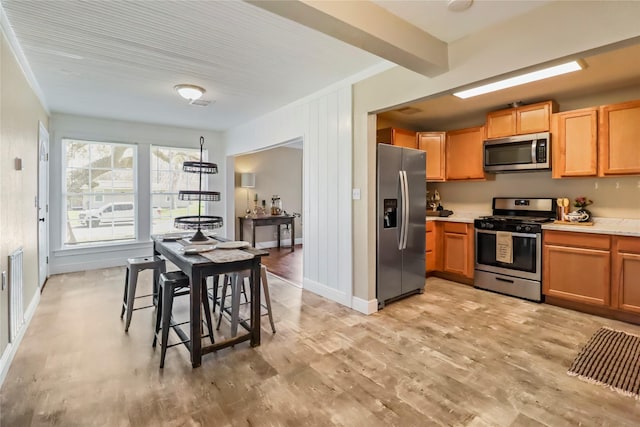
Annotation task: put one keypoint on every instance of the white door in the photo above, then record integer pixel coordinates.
(43, 204)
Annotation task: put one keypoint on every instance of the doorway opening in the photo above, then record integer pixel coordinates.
(269, 185)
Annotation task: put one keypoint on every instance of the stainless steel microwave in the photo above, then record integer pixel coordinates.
(518, 153)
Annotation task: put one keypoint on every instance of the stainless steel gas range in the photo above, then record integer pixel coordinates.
(509, 246)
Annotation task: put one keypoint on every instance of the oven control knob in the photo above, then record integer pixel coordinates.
(488, 225)
(527, 228)
(518, 227)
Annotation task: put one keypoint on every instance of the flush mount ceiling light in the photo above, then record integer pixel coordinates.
(189, 92)
(521, 79)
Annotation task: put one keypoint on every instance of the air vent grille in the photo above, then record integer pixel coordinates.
(200, 102)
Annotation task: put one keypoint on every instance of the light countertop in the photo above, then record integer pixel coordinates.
(466, 217)
(616, 226)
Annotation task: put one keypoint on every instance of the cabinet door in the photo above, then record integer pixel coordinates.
(455, 254)
(430, 246)
(404, 138)
(625, 280)
(577, 274)
(533, 118)
(575, 143)
(433, 144)
(501, 123)
(464, 154)
(619, 139)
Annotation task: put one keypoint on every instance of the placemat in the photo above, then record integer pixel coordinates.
(220, 256)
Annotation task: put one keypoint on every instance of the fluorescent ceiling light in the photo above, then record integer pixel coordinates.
(190, 92)
(522, 79)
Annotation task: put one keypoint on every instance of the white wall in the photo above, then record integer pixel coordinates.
(69, 259)
(324, 124)
(553, 31)
(20, 111)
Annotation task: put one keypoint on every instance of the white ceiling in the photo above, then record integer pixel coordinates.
(434, 17)
(121, 59)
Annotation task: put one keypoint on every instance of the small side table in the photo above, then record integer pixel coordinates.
(276, 220)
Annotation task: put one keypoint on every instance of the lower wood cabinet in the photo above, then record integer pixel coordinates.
(593, 269)
(625, 278)
(431, 240)
(577, 267)
(450, 248)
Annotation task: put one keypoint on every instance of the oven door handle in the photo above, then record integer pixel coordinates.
(515, 234)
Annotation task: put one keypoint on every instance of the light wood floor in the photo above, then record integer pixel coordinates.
(454, 356)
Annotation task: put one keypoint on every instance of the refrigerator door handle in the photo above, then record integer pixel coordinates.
(403, 207)
(405, 212)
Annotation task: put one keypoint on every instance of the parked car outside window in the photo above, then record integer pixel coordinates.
(111, 213)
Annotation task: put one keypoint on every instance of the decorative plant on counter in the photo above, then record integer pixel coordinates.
(581, 203)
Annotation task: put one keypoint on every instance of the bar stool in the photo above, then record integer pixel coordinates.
(236, 281)
(173, 284)
(135, 266)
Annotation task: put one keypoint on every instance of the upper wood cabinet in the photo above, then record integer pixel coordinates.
(619, 139)
(464, 154)
(520, 120)
(575, 143)
(625, 285)
(433, 144)
(395, 136)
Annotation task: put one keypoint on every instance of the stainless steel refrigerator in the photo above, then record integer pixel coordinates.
(401, 211)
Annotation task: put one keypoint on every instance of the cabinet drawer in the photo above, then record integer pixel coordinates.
(455, 227)
(576, 239)
(628, 244)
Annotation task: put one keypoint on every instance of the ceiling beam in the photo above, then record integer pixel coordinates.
(369, 27)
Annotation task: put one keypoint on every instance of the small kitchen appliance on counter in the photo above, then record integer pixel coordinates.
(509, 246)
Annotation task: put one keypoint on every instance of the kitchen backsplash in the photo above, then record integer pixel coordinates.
(612, 197)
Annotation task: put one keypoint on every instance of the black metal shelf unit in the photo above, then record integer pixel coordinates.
(199, 222)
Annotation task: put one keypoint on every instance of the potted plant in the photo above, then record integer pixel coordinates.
(581, 203)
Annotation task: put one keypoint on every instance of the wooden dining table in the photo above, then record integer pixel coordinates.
(198, 267)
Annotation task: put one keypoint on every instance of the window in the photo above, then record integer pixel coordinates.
(99, 191)
(167, 179)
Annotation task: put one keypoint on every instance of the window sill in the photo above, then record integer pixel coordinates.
(89, 248)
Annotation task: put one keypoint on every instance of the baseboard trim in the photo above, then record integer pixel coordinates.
(287, 281)
(327, 292)
(364, 306)
(284, 243)
(12, 348)
(90, 265)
